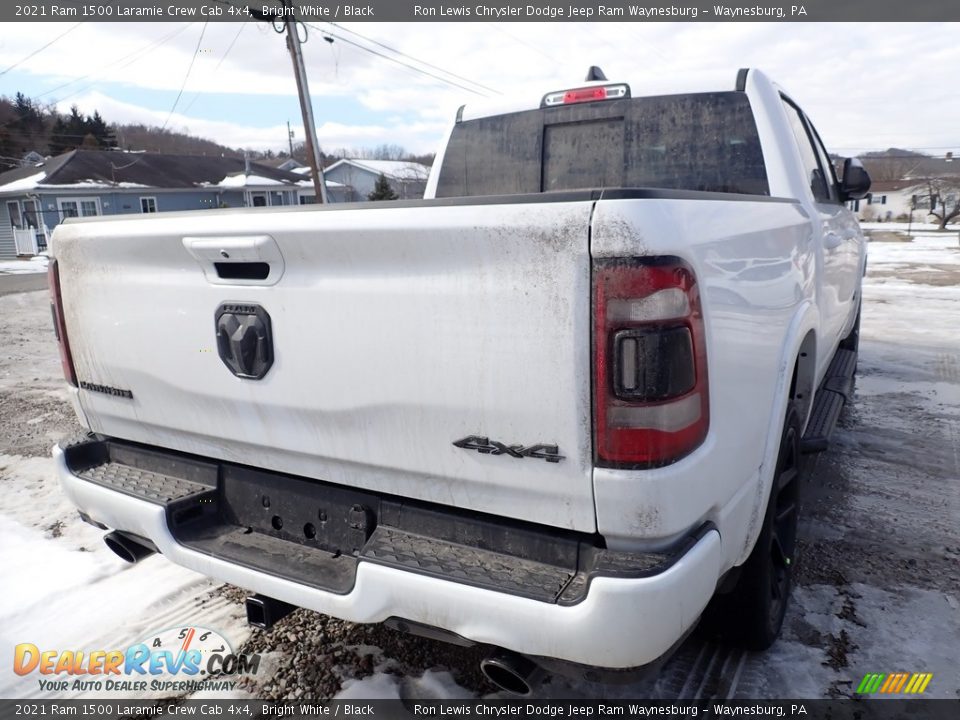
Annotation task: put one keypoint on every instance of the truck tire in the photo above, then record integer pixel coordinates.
(852, 340)
(759, 602)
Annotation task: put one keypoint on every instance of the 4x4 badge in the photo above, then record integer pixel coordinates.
(485, 446)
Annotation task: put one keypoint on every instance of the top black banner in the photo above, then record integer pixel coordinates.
(493, 11)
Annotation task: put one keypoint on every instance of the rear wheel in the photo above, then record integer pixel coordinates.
(852, 340)
(759, 602)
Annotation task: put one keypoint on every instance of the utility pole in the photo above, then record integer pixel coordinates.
(290, 139)
(309, 126)
(303, 90)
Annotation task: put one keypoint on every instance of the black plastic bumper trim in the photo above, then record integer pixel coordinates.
(316, 533)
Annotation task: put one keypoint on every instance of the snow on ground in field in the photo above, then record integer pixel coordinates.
(907, 630)
(929, 248)
(432, 685)
(905, 301)
(36, 264)
(64, 590)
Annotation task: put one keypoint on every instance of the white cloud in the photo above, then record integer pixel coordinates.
(417, 137)
(865, 85)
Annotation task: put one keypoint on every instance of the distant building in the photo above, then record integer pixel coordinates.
(890, 200)
(408, 179)
(35, 199)
(283, 163)
(31, 158)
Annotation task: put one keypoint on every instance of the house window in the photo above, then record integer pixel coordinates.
(33, 220)
(876, 199)
(79, 207)
(13, 210)
(258, 199)
(148, 204)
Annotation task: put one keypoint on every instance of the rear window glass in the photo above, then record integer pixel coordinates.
(704, 142)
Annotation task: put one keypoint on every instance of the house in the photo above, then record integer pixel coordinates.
(888, 200)
(31, 158)
(34, 199)
(336, 192)
(283, 163)
(408, 179)
(892, 200)
(905, 185)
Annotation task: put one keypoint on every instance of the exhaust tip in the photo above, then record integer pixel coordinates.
(511, 672)
(126, 548)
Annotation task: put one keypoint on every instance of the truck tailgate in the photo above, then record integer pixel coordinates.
(396, 332)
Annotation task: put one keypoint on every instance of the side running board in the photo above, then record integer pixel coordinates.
(836, 389)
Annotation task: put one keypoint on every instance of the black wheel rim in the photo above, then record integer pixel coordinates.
(783, 535)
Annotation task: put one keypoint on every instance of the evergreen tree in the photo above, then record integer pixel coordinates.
(382, 190)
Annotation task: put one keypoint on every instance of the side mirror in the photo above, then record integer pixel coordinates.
(856, 181)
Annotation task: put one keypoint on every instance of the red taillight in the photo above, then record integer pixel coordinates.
(59, 326)
(584, 95)
(650, 367)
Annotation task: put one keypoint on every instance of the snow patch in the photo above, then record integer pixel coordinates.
(36, 264)
(66, 590)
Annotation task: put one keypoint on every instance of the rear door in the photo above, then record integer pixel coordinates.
(837, 235)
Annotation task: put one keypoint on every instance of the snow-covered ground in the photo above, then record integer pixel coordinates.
(64, 590)
(37, 264)
(878, 578)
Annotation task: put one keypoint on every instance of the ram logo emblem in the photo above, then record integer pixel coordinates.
(244, 339)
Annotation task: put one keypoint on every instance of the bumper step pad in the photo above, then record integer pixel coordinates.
(834, 392)
(469, 565)
(143, 484)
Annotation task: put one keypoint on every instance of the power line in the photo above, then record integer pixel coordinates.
(139, 51)
(196, 51)
(40, 49)
(395, 60)
(422, 62)
(186, 77)
(371, 51)
(229, 48)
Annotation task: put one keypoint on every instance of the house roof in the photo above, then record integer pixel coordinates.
(893, 185)
(109, 169)
(282, 162)
(392, 169)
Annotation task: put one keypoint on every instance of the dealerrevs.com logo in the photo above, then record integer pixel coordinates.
(185, 659)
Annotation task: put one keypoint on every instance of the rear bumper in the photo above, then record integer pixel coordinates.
(618, 618)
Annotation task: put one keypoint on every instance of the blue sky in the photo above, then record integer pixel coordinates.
(865, 86)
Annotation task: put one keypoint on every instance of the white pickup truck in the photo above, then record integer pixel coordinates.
(554, 408)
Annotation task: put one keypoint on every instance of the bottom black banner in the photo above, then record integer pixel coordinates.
(917, 708)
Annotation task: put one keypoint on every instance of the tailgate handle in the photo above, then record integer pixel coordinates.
(242, 270)
(237, 259)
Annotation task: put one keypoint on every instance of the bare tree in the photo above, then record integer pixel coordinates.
(945, 199)
(893, 164)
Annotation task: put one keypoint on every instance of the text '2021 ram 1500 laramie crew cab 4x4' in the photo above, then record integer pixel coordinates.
(554, 408)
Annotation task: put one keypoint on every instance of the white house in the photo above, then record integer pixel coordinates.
(408, 179)
(890, 200)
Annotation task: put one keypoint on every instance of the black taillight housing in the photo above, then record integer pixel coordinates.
(651, 405)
